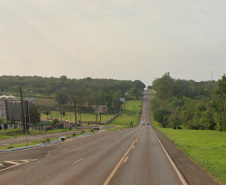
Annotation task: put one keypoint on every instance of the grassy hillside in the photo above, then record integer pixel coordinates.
(131, 112)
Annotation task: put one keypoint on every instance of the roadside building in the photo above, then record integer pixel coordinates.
(2, 109)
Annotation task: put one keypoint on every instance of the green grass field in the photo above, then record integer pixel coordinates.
(131, 112)
(205, 147)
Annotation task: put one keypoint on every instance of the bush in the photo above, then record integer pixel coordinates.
(54, 122)
(47, 140)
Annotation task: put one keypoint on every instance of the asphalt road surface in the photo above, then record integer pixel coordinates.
(127, 157)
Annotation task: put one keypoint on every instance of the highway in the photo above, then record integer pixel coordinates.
(131, 156)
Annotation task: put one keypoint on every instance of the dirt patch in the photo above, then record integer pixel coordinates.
(192, 173)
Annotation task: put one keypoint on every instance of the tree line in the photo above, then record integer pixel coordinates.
(195, 105)
(74, 92)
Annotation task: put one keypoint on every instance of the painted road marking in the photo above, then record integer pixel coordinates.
(120, 162)
(104, 145)
(126, 159)
(12, 162)
(78, 161)
(171, 162)
(25, 161)
(17, 163)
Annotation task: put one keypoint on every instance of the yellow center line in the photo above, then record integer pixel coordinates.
(120, 162)
(78, 161)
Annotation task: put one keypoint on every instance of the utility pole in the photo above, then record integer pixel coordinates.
(22, 108)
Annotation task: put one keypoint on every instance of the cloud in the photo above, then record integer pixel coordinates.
(119, 39)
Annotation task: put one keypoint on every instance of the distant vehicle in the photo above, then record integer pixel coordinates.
(147, 106)
(96, 127)
(148, 123)
(142, 123)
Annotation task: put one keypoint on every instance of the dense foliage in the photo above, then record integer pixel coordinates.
(195, 105)
(85, 91)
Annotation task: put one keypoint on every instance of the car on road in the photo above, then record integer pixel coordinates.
(96, 127)
(147, 106)
(148, 123)
(142, 123)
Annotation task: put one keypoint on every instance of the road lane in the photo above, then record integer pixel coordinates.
(147, 164)
(134, 155)
(56, 167)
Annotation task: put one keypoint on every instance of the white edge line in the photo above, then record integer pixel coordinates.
(16, 165)
(171, 161)
(104, 145)
(78, 161)
(9, 167)
(13, 162)
(126, 159)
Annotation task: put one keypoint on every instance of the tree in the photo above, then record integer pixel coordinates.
(219, 104)
(62, 100)
(164, 86)
(116, 100)
(34, 114)
(135, 92)
(161, 115)
(175, 119)
(47, 113)
(74, 98)
(54, 122)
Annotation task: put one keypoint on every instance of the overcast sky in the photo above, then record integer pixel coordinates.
(118, 39)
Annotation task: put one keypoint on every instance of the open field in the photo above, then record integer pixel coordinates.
(205, 147)
(131, 112)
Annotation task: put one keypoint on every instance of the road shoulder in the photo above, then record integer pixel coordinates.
(193, 173)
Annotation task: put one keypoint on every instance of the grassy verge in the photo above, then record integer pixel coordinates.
(10, 133)
(46, 140)
(32, 143)
(131, 112)
(205, 147)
